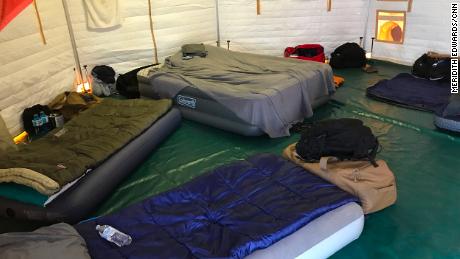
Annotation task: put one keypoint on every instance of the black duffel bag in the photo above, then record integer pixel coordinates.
(346, 139)
(128, 85)
(348, 55)
(432, 67)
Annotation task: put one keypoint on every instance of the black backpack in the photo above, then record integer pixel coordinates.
(104, 73)
(348, 55)
(127, 84)
(432, 68)
(28, 115)
(346, 139)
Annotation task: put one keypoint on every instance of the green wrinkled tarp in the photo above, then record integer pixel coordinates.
(424, 223)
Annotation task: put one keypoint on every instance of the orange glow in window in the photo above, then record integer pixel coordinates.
(390, 26)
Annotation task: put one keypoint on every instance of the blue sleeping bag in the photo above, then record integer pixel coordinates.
(412, 92)
(229, 212)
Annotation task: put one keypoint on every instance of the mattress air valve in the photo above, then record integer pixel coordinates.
(113, 235)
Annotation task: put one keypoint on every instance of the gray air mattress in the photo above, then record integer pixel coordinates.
(320, 238)
(240, 92)
(91, 190)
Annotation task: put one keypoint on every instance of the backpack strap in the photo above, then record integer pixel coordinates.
(325, 160)
(373, 153)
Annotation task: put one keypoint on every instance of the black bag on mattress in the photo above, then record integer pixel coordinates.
(432, 68)
(28, 115)
(348, 55)
(127, 84)
(346, 139)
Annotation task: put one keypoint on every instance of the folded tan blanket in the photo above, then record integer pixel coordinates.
(30, 178)
(374, 186)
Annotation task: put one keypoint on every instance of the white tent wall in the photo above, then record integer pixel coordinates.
(130, 45)
(427, 29)
(284, 23)
(32, 73)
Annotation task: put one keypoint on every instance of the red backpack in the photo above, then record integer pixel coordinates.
(313, 52)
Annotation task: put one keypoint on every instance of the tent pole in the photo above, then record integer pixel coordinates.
(72, 40)
(218, 23)
(39, 21)
(366, 26)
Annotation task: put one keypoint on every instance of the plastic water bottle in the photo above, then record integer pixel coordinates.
(44, 120)
(113, 235)
(37, 123)
(44, 117)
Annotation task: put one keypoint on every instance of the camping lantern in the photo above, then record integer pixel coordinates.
(84, 88)
(82, 85)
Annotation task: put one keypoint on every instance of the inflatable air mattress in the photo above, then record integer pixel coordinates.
(87, 192)
(412, 92)
(448, 123)
(239, 92)
(262, 206)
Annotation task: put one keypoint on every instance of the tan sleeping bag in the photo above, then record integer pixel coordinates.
(374, 186)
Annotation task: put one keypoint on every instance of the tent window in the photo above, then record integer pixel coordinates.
(390, 26)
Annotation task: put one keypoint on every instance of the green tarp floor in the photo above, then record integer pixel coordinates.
(424, 223)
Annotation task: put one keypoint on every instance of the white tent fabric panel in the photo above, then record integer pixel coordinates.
(285, 23)
(130, 45)
(31, 72)
(427, 29)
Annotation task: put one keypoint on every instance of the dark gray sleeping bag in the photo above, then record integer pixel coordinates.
(56, 241)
